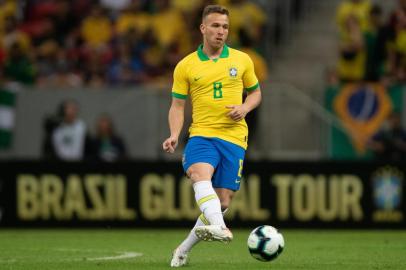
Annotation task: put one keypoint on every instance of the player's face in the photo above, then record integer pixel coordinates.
(215, 29)
(71, 111)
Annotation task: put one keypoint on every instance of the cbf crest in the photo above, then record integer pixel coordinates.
(387, 194)
(233, 72)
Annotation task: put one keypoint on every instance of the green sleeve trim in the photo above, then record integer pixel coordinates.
(179, 95)
(249, 89)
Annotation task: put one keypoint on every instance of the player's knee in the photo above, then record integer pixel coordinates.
(196, 175)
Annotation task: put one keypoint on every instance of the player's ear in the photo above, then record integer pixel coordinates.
(202, 27)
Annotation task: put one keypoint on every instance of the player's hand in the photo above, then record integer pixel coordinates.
(170, 144)
(237, 112)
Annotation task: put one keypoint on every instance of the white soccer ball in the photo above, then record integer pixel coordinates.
(265, 243)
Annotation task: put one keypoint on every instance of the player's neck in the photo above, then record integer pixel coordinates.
(212, 53)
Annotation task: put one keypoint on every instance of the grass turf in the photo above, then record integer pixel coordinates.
(97, 249)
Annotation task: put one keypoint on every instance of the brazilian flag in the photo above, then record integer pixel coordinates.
(362, 108)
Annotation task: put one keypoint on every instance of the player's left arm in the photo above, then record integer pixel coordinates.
(250, 81)
(238, 112)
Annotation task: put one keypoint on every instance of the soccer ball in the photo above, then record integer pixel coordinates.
(265, 243)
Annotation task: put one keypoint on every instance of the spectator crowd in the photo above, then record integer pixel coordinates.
(372, 47)
(88, 43)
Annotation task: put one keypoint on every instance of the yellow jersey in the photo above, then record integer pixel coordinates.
(212, 85)
(359, 9)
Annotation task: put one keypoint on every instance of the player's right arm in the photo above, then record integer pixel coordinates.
(180, 90)
(175, 118)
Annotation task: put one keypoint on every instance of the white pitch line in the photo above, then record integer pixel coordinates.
(125, 255)
(121, 256)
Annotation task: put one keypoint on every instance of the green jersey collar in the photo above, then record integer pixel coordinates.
(204, 57)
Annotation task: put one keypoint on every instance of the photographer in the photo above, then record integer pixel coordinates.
(65, 134)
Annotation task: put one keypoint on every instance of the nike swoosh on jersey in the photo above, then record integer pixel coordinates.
(198, 78)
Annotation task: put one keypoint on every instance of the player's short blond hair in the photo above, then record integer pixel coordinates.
(214, 9)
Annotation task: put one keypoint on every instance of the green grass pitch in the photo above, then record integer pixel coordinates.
(122, 249)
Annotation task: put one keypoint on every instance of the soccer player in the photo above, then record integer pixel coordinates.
(215, 77)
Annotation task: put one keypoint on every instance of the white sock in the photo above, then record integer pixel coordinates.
(208, 202)
(192, 239)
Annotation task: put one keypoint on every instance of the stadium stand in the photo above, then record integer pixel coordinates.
(94, 47)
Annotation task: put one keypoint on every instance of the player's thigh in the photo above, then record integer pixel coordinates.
(200, 159)
(229, 170)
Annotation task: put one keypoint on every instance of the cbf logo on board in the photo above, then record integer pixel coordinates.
(387, 194)
(233, 72)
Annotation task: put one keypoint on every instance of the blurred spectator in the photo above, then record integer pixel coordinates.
(247, 46)
(94, 71)
(65, 21)
(186, 6)
(169, 27)
(7, 8)
(107, 145)
(40, 24)
(12, 35)
(261, 70)
(54, 70)
(375, 45)
(390, 142)
(96, 54)
(96, 29)
(65, 134)
(359, 9)
(127, 66)
(194, 19)
(153, 55)
(353, 20)
(351, 62)
(18, 67)
(397, 51)
(133, 18)
(248, 15)
(46, 59)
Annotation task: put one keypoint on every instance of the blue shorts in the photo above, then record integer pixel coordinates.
(226, 158)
